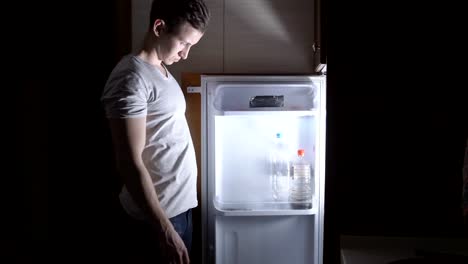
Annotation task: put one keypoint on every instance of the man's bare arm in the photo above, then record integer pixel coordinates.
(128, 136)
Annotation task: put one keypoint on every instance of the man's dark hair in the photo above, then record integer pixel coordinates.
(176, 12)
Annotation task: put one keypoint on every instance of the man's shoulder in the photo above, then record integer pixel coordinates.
(126, 63)
(127, 67)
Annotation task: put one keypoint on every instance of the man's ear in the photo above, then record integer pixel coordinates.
(158, 27)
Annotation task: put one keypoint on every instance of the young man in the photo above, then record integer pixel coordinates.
(154, 151)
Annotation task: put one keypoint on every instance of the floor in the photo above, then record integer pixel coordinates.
(403, 250)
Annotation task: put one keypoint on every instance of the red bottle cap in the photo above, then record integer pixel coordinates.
(300, 152)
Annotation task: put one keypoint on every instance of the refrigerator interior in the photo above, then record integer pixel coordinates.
(242, 150)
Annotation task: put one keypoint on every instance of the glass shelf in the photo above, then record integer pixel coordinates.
(264, 208)
(312, 112)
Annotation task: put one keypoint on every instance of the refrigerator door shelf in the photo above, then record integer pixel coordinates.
(266, 208)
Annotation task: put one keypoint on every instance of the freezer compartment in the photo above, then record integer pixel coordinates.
(276, 239)
(242, 164)
(264, 96)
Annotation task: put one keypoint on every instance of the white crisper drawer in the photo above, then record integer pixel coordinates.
(265, 239)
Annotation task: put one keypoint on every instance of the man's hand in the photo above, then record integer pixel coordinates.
(173, 247)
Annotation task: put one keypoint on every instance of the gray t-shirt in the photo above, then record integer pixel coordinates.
(136, 88)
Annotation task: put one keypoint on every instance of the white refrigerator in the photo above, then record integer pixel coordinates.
(241, 221)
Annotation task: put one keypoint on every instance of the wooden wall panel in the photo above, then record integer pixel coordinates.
(193, 114)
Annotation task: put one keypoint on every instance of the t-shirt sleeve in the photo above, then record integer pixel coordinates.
(125, 97)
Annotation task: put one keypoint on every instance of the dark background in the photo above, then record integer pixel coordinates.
(397, 120)
(397, 123)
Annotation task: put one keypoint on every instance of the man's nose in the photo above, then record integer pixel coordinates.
(184, 53)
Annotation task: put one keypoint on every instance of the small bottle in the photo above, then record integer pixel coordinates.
(300, 184)
(280, 169)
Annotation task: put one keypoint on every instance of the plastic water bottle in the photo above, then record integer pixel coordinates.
(301, 186)
(280, 164)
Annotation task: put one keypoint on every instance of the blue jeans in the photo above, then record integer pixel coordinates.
(140, 243)
(183, 226)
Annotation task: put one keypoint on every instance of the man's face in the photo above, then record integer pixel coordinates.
(176, 46)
